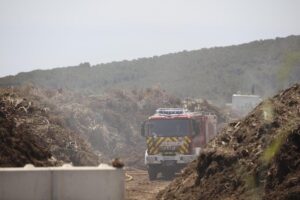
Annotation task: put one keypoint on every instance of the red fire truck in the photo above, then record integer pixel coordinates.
(174, 138)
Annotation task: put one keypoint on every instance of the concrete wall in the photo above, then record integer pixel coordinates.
(62, 183)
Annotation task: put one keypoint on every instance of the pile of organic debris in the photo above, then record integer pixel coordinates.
(255, 158)
(28, 134)
(84, 130)
(74, 127)
(111, 121)
(199, 105)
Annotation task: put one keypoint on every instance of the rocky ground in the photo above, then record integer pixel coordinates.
(257, 157)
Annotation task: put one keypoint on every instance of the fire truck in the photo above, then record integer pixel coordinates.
(174, 138)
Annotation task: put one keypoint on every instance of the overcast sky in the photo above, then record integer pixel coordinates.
(40, 34)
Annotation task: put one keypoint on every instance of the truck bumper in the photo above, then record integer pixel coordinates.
(177, 159)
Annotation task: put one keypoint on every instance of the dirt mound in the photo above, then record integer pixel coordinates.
(28, 135)
(19, 147)
(199, 105)
(115, 118)
(255, 158)
(75, 128)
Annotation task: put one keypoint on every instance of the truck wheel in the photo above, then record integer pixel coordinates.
(152, 172)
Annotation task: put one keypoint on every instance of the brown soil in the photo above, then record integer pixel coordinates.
(254, 158)
(139, 187)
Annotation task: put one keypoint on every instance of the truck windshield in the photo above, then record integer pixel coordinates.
(168, 127)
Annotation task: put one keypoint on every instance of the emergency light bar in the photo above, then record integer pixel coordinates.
(171, 111)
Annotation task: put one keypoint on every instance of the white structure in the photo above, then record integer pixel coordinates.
(243, 104)
(62, 183)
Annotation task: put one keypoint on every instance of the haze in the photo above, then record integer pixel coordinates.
(45, 34)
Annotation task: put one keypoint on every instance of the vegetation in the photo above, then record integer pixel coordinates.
(214, 74)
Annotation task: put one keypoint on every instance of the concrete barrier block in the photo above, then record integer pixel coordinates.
(62, 183)
(25, 184)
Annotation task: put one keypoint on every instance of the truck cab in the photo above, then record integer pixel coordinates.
(174, 138)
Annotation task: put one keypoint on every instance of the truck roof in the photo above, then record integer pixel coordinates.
(176, 113)
(156, 116)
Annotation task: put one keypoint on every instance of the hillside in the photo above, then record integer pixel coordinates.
(214, 73)
(255, 158)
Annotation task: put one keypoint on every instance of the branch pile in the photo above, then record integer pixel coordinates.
(255, 158)
(81, 129)
(28, 135)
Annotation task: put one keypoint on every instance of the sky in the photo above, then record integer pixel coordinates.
(44, 34)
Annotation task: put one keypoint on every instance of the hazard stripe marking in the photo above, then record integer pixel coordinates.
(154, 144)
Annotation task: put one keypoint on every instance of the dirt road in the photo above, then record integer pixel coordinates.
(139, 187)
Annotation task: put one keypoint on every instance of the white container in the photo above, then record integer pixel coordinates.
(62, 183)
(243, 104)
